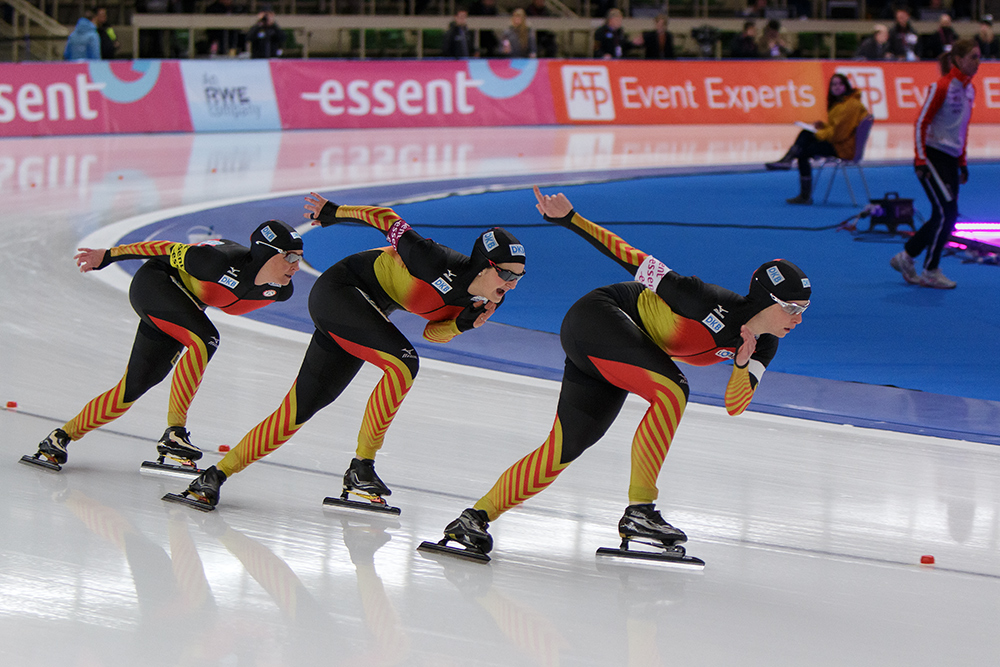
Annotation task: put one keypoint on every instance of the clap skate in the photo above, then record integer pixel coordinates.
(202, 493)
(176, 445)
(643, 524)
(51, 454)
(469, 530)
(361, 480)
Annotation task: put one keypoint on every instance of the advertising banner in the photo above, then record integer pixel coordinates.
(92, 97)
(106, 97)
(723, 92)
(230, 95)
(349, 94)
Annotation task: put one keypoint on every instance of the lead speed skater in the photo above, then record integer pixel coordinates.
(628, 338)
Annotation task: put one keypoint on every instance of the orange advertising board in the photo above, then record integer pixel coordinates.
(627, 92)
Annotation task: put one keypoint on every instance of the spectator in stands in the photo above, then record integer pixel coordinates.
(755, 8)
(224, 41)
(519, 40)
(265, 39)
(836, 137)
(109, 41)
(940, 40)
(546, 39)
(610, 41)
(83, 43)
(154, 43)
(772, 42)
(903, 39)
(458, 38)
(488, 43)
(659, 42)
(875, 46)
(989, 44)
(745, 44)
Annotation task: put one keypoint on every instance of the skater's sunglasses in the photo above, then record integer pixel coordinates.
(506, 275)
(290, 255)
(790, 308)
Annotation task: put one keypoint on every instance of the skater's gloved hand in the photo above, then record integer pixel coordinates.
(963, 174)
(747, 347)
(89, 259)
(475, 315)
(554, 208)
(320, 210)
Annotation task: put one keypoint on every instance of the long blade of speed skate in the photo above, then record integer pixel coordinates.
(654, 559)
(40, 462)
(190, 502)
(155, 469)
(461, 552)
(358, 506)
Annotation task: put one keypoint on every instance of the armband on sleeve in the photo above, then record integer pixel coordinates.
(396, 232)
(651, 272)
(177, 253)
(441, 332)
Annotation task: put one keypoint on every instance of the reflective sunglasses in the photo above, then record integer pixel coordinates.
(505, 275)
(790, 308)
(290, 255)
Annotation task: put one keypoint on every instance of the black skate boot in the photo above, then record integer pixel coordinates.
(361, 480)
(469, 530)
(203, 492)
(643, 524)
(51, 453)
(175, 443)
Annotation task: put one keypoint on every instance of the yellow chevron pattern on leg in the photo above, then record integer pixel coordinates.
(652, 439)
(277, 429)
(529, 476)
(383, 404)
(184, 385)
(102, 410)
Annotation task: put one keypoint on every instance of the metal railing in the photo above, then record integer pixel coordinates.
(308, 27)
(31, 26)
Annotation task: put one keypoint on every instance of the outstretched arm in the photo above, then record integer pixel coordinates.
(558, 209)
(90, 259)
(324, 212)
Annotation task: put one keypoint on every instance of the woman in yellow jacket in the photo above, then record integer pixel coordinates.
(835, 137)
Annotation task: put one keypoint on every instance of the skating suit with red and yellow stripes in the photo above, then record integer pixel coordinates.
(170, 292)
(349, 305)
(626, 338)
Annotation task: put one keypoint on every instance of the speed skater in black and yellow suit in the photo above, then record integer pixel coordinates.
(170, 293)
(349, 305)
(626, 338)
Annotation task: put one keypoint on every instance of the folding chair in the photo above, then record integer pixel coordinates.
(861, 140)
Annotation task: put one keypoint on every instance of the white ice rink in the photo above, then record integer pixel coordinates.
(812, 533)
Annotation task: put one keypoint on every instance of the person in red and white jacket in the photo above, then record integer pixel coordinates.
(942, 130)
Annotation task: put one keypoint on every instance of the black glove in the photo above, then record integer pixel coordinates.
(467, 318)
(564, 221)
(328, 214)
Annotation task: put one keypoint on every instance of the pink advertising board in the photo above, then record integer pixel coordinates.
(92, 97)
(349, 94)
